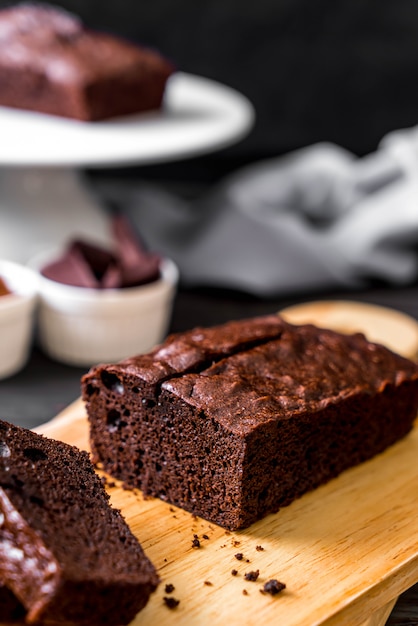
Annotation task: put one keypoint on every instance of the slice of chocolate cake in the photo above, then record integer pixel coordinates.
(236, 421)
(66, 554)
(51, 63)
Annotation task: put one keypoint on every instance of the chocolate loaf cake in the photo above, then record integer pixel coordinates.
(236, 421)
(51, 63)
(65, 553)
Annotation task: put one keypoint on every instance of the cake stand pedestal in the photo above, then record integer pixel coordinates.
(44, 200)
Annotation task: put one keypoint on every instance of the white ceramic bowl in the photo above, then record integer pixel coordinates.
(81, 326)
(16, 316)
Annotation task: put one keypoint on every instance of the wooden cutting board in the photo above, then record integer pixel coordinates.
(344, 551)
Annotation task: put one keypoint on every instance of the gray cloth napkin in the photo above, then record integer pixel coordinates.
(317, 218)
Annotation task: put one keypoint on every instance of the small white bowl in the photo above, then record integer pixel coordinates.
(16, 316)
(82, 326)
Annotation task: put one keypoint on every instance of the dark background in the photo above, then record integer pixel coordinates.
(336, 70)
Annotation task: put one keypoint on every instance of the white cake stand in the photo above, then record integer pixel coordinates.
(43, 199)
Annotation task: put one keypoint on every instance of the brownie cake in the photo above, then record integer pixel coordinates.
(65, 553)
(235, 421)
(51, 63)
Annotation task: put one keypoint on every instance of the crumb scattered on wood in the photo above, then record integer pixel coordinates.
(273, 587)
(171, 602)
(252, 576)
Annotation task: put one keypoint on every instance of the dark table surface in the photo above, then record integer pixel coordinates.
(44, 387)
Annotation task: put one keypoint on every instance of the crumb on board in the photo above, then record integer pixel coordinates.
(239, 556)
(252, 576)
(234, 572)
(171, 602)
(273, 587)
(169, 588)
(259, 548)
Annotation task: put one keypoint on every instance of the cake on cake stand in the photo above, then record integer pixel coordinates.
(44, 200)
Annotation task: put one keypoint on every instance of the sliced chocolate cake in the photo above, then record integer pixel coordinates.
(235, 421)
(65, 553)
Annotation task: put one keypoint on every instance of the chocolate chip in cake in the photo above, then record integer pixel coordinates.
(112, 382)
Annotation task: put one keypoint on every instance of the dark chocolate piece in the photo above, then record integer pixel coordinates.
(83, 264)
(137, 265)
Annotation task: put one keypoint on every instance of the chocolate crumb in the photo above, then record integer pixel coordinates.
(171, 603)
(239, 556)
(273, 587)
(236, 543)
(252, 576)
(244, 592)
(208, 583)
(234, 572)
(259, 548)
(196, 543)
(169, 588)
(205, 537)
